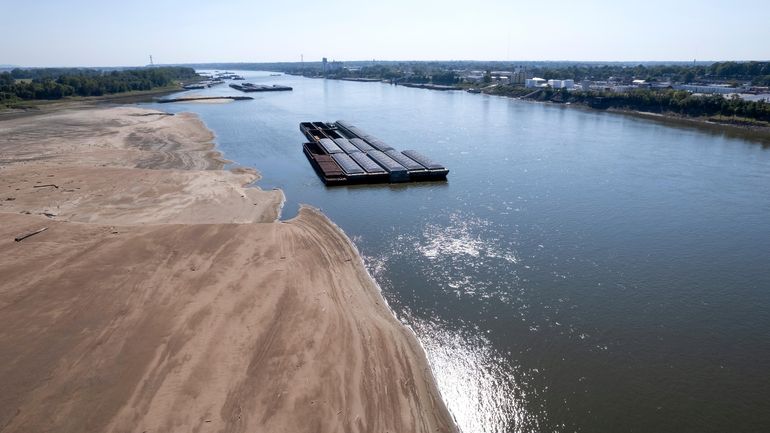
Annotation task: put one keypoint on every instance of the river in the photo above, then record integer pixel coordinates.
(580, 271)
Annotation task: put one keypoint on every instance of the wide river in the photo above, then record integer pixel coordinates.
(579, 271)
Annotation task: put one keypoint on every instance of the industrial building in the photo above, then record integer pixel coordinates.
(535, 82)
(562, 84)
(710, 88)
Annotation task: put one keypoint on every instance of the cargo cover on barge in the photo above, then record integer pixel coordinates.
(250, 87)
(343, 154)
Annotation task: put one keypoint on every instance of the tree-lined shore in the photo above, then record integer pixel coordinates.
(20, 85)
(725, 110)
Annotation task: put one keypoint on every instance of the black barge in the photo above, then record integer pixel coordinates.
(343, 154)
(250, 87)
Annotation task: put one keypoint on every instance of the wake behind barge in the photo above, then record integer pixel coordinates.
(342, 154)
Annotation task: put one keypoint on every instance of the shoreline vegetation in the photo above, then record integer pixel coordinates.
(164, 294)
(37, 107)
(715, 109)
(29, 88)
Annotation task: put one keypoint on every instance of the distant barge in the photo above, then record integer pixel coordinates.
(249, 87)
(204, 98)
(342, 154)
(430, 86)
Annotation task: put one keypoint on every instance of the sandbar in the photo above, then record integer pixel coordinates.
(166, 296)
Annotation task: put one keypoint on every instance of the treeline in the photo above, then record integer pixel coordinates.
(418, 74)
(57, 83)
(758, 73)
(655, 101)
(620, 73)
(673, 101)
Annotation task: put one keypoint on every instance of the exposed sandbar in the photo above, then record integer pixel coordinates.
(165, 297)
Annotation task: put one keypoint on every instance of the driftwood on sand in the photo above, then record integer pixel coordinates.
(25, 236)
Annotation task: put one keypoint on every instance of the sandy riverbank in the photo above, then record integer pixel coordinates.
(164, 296)
(759, 134)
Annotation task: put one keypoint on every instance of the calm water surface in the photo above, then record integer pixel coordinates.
(579, 272)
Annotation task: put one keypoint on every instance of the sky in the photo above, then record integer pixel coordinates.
(126, 33)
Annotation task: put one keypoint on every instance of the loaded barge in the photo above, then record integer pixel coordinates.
(342, 154)
(250, 87)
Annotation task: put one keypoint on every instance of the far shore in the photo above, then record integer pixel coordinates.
(143, 287)
(748, 132)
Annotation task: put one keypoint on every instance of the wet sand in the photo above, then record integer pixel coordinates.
(165, 296)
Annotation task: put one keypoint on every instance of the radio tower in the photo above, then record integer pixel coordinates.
(151, 63)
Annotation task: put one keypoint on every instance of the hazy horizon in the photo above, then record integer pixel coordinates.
(88, 33)
(653, 61)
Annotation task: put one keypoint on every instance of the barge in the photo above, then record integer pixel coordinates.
(343, 154)
(250, 87)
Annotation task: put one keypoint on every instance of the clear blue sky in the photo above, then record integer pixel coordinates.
(105, 33)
